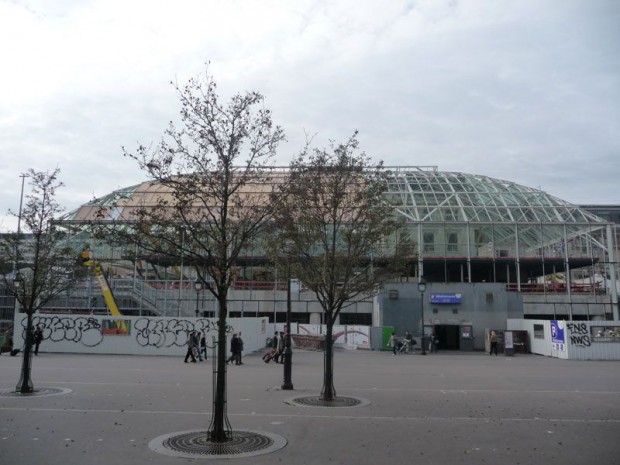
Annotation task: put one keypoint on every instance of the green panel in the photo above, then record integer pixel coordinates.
(386, 334)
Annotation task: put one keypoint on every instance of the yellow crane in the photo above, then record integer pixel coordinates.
(108, 296)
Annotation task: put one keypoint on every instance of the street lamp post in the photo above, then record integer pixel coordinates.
(422, 289)
(288, 351)
(198, 287)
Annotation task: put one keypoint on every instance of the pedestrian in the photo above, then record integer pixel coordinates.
(274, 347)
(8, 341)
(239, 349)
(434, 343)
(38, 337)
(203, 345)
(493, 343)
(234, 348)
(196, 344)
(279, 358)
(393, 343)
(408, 344)
(190, 348)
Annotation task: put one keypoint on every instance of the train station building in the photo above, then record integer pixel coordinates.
(488, 250)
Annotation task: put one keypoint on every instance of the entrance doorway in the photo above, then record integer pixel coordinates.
(448, 336)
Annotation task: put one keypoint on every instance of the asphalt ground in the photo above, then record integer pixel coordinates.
(445, 408)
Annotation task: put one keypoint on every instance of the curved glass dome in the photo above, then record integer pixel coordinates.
(429, 195)
(459, 214)
(451, 213)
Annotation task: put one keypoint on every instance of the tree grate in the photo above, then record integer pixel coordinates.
(42, 392)
(196, 444)
(316, 401)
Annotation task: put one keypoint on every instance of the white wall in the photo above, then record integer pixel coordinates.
(581, 342)
(89, 334)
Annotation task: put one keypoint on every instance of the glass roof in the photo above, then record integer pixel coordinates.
(501, 210)
(428, 195)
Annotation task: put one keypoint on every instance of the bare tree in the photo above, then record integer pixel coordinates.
(41, 257)
(341, 231)
(209, 200)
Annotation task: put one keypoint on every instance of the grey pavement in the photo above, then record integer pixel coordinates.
(445, 408)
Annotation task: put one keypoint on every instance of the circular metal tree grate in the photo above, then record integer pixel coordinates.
(316, 401)
(196, 444)
(42, 392)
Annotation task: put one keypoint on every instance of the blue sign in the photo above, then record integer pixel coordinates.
(445, 298)
(558, 342)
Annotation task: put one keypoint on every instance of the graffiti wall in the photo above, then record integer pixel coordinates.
(132, 335)
(575, 340)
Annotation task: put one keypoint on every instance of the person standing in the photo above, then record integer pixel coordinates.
(281, 345)
(434, 343)
(239, 349)
(393, 343)
(38, 337)
(493, 343)
(274, 347)
(190, 348)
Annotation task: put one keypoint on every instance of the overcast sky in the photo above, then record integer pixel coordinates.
(523, 90)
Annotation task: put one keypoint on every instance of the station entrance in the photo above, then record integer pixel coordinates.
(448, 336)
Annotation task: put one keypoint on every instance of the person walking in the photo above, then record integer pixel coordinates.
(38, 337)
(190, 348)
(196, 344)
(234, 349)
(239, 349)
(203, 345)
(493, 339)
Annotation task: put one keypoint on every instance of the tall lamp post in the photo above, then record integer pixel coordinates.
(288, 351)
(198, 287)
(422, 289)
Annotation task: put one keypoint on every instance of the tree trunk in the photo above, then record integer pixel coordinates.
(219, 430)
(328, 392)
(25, 386)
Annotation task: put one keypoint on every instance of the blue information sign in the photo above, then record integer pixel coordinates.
(445, 298)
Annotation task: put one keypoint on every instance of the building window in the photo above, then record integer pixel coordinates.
(429, 242)
(361, 319)
(453, 242)
(539, 331)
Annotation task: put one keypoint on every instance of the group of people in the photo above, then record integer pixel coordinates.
(196, 347)
(276, 349)
(408, 343)
(404, 346)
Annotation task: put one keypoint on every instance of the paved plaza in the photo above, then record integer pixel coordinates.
(445, 408)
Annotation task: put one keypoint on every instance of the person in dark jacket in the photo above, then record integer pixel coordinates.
(38, 337)
(240, 349)
(203, 345)
(190, 348)
(234, 350)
